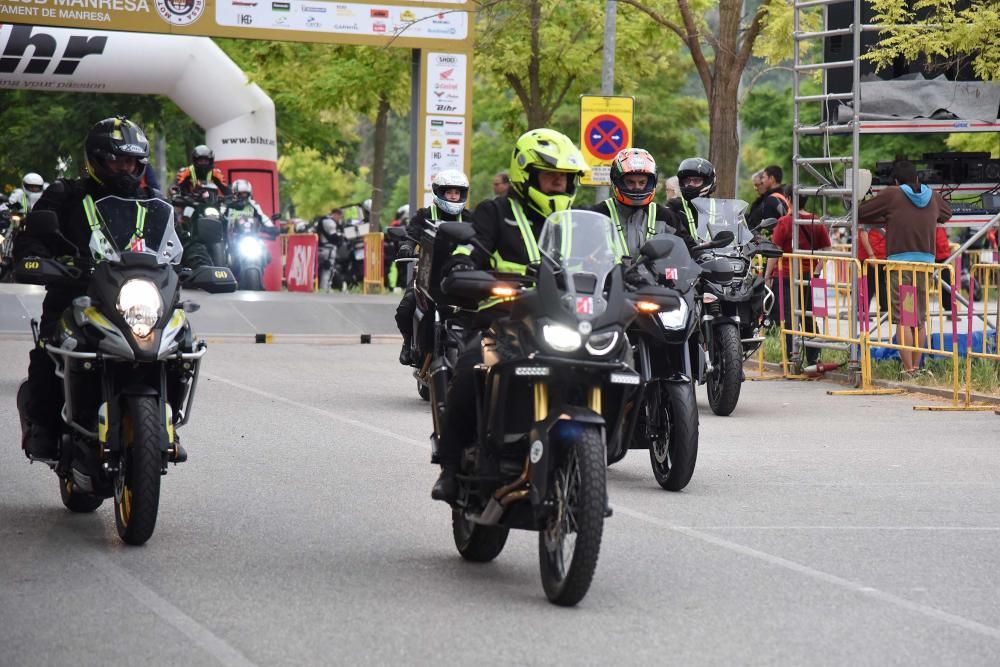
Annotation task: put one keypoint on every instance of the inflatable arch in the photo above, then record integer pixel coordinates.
(238, 117)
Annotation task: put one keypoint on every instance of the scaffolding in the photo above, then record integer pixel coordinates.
(830, 176)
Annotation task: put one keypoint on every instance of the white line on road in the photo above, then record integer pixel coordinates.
(190, 628)
(868, 591)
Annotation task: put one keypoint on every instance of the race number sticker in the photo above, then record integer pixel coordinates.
(670, 273)
(584, 305)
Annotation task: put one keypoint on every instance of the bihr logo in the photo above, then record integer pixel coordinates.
(180, 12)
(44, 48)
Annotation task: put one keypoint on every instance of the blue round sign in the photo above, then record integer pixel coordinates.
(606, 135)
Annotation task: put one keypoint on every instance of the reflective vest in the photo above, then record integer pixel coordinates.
(527, 237)
(650, 224)
(194, 177)
(100, 247)
(689, 214)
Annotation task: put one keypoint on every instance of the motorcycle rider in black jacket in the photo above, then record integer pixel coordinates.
(116, 153)
(635, 215)
(545, 168)
(451, 192)
(696, 178)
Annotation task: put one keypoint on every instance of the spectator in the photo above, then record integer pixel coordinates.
(811, 237)
(911, 212)
(672, 189)
(501, 184)
(942, 251)
(772, 202)
(871, 245)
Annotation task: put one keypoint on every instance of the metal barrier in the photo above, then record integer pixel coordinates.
(757, 266)
(815, 318)
(909, 324)
(374, 271)
(986, 276)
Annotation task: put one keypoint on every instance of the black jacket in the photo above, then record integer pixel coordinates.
(634, 224)
(65, 198)
(769, 206)
(497, 231)
(416, 224)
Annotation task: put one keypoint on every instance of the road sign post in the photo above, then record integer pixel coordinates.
(605, 129)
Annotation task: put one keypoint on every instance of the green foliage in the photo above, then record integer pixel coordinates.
(315, 183)
(932, 29)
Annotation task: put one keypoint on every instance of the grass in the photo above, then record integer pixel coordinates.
(985, 372)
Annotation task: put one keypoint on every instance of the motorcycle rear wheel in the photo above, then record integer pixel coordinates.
(569, 545)
(674, 454)
(77, 501)
(479, 544)
(137, 482)
(724, 380)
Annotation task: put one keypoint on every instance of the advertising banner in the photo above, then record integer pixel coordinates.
(300, 262)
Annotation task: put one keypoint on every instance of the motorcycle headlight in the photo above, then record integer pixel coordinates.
(140, 304)
(561, 338)
(674, 319)
(250, 248)
(602, 343)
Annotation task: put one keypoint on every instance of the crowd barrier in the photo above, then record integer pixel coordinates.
(985, 346)
(374, 269)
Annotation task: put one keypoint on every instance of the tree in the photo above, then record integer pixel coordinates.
(935, 30)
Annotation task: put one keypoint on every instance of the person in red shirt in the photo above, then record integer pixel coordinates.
(871, 245)
(942, 251)
(811, 237)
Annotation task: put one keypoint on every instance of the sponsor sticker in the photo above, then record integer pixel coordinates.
(180, 12)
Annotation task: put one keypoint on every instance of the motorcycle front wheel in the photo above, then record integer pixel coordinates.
(674, 452)
(137, 482)
(724, 380)
(250, 279)
(568, 546)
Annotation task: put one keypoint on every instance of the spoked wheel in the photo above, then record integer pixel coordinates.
(137, 482)
(569, 545)
(480, 544)
(724, 380)
(674, 451)
(77, 501)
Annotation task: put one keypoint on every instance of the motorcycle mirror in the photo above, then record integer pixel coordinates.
(658, 247)
(721, 240)
(767, 223)
(43, 223)
(459, 232)
(396, 233)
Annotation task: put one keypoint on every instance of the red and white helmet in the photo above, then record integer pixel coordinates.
(633, 161)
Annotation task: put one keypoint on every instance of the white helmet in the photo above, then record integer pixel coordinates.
(240, 186)
(403, 212)
(447, 180)
(32, 185)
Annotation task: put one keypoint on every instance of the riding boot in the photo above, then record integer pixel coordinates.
(405, 357)
(446, 486)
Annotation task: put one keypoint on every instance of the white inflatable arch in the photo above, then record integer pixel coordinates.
(238, 117)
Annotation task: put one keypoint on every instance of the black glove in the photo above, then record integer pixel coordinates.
(458, 263)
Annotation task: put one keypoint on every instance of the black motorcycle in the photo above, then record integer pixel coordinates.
(202, 209)
(127, 358)
(554, 353)
(734, 312)
(248, 253)
(663, 418)
(10, 226)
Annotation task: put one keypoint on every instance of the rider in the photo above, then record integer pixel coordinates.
(241, 204)
(202, 170)
(545, 168)
(116, 153)
(632, 210)
(451, 192)
(696, 177)
(25, 197)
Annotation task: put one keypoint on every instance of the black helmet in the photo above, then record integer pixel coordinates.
(110, 140)
(696, 166)
(203, 153)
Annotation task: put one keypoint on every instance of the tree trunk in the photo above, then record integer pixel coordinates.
(378, 162)
(724, 142)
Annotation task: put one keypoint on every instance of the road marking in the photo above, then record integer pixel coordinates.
(190, 628)
(895, 600)
(983, 529)
(868, 591)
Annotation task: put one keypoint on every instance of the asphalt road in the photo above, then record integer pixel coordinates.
(816, 530)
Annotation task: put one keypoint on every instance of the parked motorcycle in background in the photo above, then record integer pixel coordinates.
(734, 312)
(128, 361)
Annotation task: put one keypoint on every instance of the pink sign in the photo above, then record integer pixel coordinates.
(300, 262)
(818, 286)
(908, 306)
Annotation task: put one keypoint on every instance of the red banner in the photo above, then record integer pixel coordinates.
(300, 262)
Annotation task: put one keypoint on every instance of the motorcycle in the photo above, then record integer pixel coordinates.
(734, 312)
(127, 359)
(10, 225)
(663, 417)
(249, 255)
(202, 211)
(553, 356)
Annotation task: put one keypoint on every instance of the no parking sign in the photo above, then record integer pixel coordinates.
(605, 129)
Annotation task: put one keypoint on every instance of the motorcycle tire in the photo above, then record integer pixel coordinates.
(77, 501)
(250, 279)
(479, 544)
(137, 482)
(423, 390)
(580, 490)
(673, 466)
(724, 381)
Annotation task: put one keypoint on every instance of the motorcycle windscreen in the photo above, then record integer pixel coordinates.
(716, 215)
(138, 225)
(584, 244)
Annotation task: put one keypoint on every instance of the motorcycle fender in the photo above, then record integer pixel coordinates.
(725, 319)
(676, 378)
(540, 453)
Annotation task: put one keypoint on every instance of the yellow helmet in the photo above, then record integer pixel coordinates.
(545, 150)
